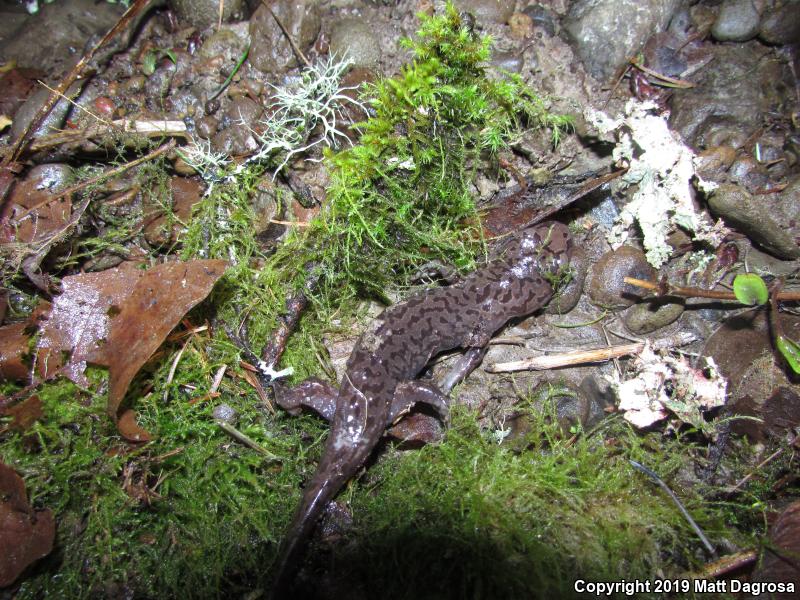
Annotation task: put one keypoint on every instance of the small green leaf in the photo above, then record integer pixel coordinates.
(790, 350)
(750, 289)
(170, 55)
(149, 63)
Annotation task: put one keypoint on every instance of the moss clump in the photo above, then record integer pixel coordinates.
(401, 196)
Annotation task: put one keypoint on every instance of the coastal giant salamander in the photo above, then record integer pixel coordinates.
(379, 385)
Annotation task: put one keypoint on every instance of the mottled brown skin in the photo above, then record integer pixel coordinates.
(379, 385)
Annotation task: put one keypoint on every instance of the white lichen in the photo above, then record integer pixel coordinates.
(662, 170)
(662, 386)
(305, 114)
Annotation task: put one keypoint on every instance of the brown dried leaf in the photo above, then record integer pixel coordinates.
(25, 535)
(15, 87)
(781, 561)
(13, 348)
(43, 220)
(160, 299)
(129, 428)
(78, 324)
(15, 344)
(158, 230)
(26, 413)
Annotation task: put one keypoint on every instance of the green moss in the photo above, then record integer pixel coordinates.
(466, 518)
(470, 518)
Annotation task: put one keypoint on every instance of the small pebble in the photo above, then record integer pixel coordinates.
(606, 285)
(737, 21)
(225, 413)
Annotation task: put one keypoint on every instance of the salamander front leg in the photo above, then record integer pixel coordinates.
(463, 367)
(315, 394)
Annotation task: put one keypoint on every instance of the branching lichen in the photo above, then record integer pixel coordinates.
(662, 168)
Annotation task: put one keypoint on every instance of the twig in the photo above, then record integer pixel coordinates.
(75, 104)
(148, 128)
(21, 143)
(752, 473)
(285, 31)
(250, 376)
(287, 322)
(664, 80)
(665, 289)
(677, 502)
(725, 565)
(541, 363)
(112, 173)
(297, 223)
(173, 368)
(246, 440)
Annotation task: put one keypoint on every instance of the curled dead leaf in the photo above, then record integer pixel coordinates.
(26, 535)
(781, 560)
(160, 299)
(26, 413)
(130, 429)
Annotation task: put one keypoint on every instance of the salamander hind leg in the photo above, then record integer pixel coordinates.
(315, 394)
(409, 393)
(417, 428)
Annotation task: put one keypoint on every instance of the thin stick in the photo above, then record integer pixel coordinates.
(152, 128)
(678, 503)
(285, 31)
(103, 176)
(554, 361)
(297, 223)
(75, 104)
(246, 440)
(21, 143)
(666, 289)
(664, 79)
(752, 473)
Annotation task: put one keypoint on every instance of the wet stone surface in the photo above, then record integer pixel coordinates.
(606, 285)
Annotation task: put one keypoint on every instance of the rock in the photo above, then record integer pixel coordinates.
(236, 140)
(205, 13)
(521, 26)
(225, 413)
(737, 21)
(647, 317)
(242, 111)
(53, 39)
(733, 94)
(229, 42)
(567, 298)
(758, 383)
(714, 162)
(488, 11)
(270, 52)
(606, 33)
(754, 217)
(749, 173)
(355, 39)
(542, 19)
(508, 61)
(765, 264)
(781, 24)
(53, 121)
(606, 285)
(207, 126)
